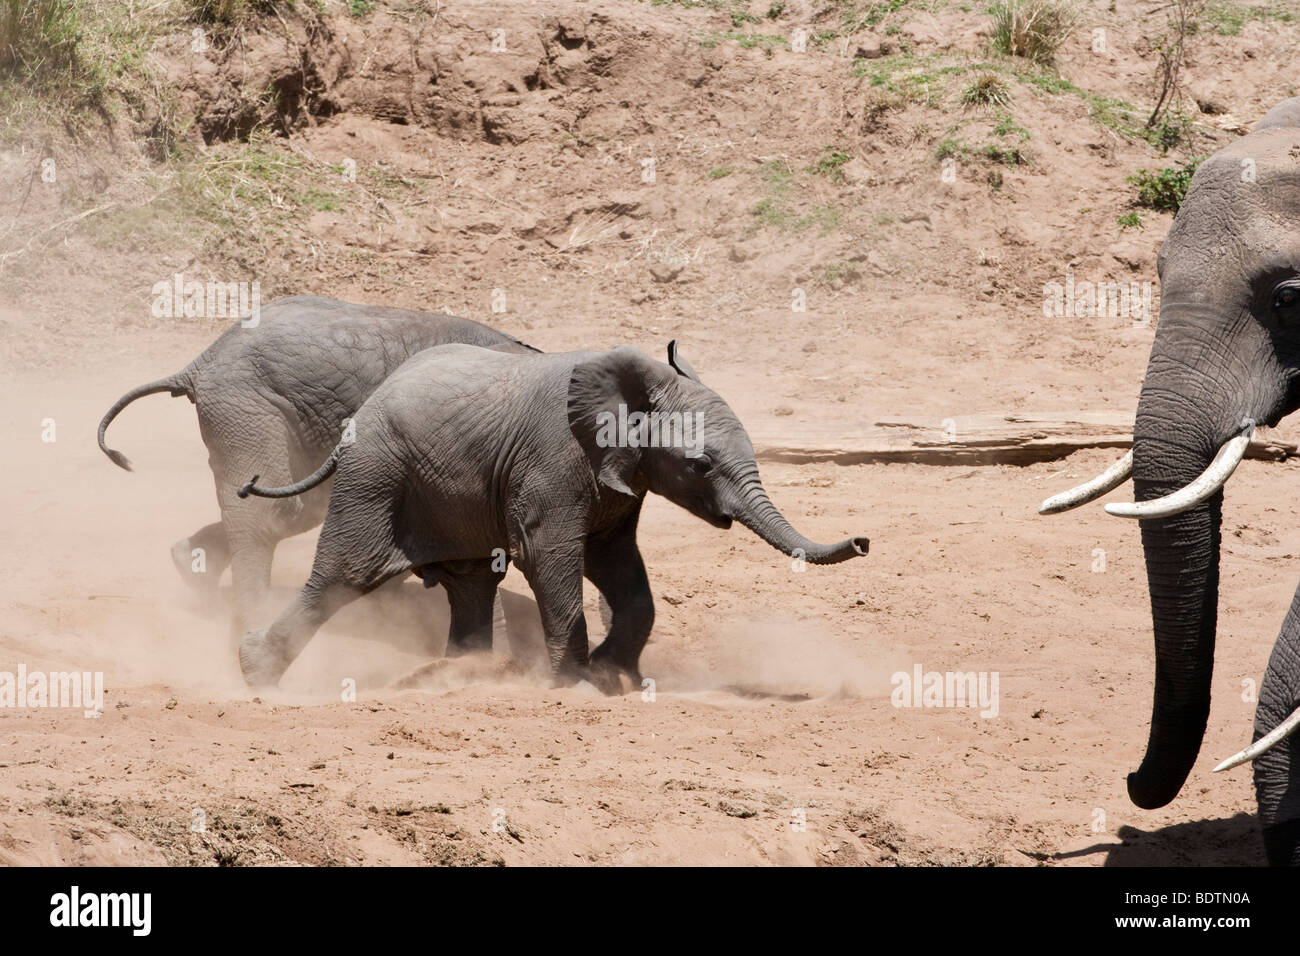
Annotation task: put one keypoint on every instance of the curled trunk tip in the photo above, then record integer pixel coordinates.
(762, 517)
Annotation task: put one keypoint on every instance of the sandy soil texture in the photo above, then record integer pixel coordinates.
(517, 179)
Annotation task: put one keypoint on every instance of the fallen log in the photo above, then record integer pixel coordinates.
(1019, 439)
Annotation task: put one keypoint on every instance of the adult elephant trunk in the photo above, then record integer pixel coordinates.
(1182, 559)
(1193, 402)
(757, 513)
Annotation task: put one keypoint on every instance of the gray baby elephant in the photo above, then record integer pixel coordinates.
(465, 458)
(276, 393)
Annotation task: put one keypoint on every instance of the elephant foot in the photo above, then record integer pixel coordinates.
(605, 680)
(602, 672)
(473, 644)
(1282, 843)
(259, 661)
(568, 672)
(606, 673)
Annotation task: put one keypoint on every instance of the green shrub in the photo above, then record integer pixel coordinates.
(1006, 155)
(949, 148)
(1008, 127)
(1165, 188)
(1169, 130)
(831, 164)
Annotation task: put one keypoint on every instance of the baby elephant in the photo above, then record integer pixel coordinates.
(465, 458)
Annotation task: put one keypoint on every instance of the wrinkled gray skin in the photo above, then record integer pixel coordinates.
(463, 451)
(1227, 348)
(274, 397)
(1277, 773)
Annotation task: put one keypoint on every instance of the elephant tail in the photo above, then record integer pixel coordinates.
(525, 345)
(178, 384)
(298, 487)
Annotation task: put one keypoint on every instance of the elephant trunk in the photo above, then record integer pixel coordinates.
(1200, 399)
(1175, 437)
(757, 513)
(1277, 771)
(1182, 559)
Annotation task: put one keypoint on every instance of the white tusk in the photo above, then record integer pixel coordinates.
(1209, 481)
(1108, 480)
(1265, 743)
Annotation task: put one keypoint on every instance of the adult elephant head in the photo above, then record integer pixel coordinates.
(1226, 355)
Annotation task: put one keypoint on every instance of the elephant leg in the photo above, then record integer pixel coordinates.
(254, 531)
(554, 572)
(356, 553)
(614, 565)
(266, 653)
(251, 554)
(471, 592)
(239, 446)
(1277, 773)
(202, 557)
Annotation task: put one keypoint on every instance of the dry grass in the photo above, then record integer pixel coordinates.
(1034, 29)
(38, 38)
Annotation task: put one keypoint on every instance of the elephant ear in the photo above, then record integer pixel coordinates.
(678, 361)
(604, 394)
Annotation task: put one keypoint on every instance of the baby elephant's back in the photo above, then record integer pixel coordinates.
(487, 404)
(454, 395)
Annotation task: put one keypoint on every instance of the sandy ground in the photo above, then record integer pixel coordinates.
(770, 736)
(772, 688)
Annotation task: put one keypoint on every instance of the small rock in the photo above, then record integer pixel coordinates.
(856, 171)
(665, 272)
(877, 263)
(873, 48)
(736, 810)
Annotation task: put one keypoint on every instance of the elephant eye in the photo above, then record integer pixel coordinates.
(1286, 299)
(702, 465)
